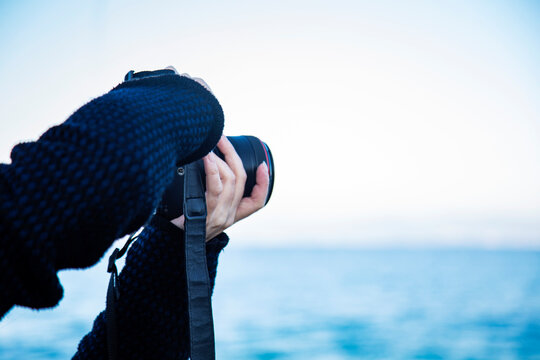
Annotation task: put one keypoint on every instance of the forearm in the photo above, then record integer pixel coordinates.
(152, 308)
(94, 178)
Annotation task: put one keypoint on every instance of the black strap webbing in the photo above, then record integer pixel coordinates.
(201, 326)
(112, 297)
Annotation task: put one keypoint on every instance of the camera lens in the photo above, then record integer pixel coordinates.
(252, 152)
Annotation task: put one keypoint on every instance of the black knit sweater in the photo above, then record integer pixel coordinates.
(97, 177)
(152, 308)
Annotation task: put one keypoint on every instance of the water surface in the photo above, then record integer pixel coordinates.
(332, 304)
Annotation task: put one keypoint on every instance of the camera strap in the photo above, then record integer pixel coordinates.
(113, 294)
(201, 325)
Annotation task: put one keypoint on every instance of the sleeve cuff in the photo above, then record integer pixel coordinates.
(187, 83)
(217, 244)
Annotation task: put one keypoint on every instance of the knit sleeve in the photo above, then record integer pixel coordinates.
(65, 197)
(152, 307)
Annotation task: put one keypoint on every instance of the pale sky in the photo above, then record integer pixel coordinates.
(391, 123)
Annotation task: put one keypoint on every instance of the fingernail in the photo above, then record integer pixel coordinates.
(170, 67)
(265, 165)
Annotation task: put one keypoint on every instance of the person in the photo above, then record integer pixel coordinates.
(97, 177)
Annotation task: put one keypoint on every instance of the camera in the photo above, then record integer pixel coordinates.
(251, 151)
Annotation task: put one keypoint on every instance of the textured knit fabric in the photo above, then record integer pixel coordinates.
(152, 308)
(98, 176)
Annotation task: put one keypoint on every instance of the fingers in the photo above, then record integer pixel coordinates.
(234, 162)
(225, 183)
(203, 83)
(219, 202)
(196, 79)
(214, 186)
(258, 196)
(170, 67)
(227, 204)
(237, 167)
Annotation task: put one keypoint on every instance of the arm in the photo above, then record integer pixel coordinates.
(95, 178)
(152, 309)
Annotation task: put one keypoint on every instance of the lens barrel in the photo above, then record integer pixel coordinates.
(251, 151)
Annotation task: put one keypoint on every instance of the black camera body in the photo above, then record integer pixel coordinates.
(252, 152)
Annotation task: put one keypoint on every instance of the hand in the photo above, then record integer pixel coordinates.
(199, 80)
(225, 182)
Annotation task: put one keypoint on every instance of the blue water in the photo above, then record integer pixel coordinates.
(332, 304)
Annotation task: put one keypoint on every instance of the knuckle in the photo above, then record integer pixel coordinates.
(213, 171)
(217, 186)
(217, 190)
(242, 176)
(222, 220)
(229, 178)
(211, 204)
(228, 221)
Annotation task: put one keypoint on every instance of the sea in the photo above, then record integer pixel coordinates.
(328, 304)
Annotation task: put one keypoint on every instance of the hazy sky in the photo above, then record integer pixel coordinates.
(392, 123)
